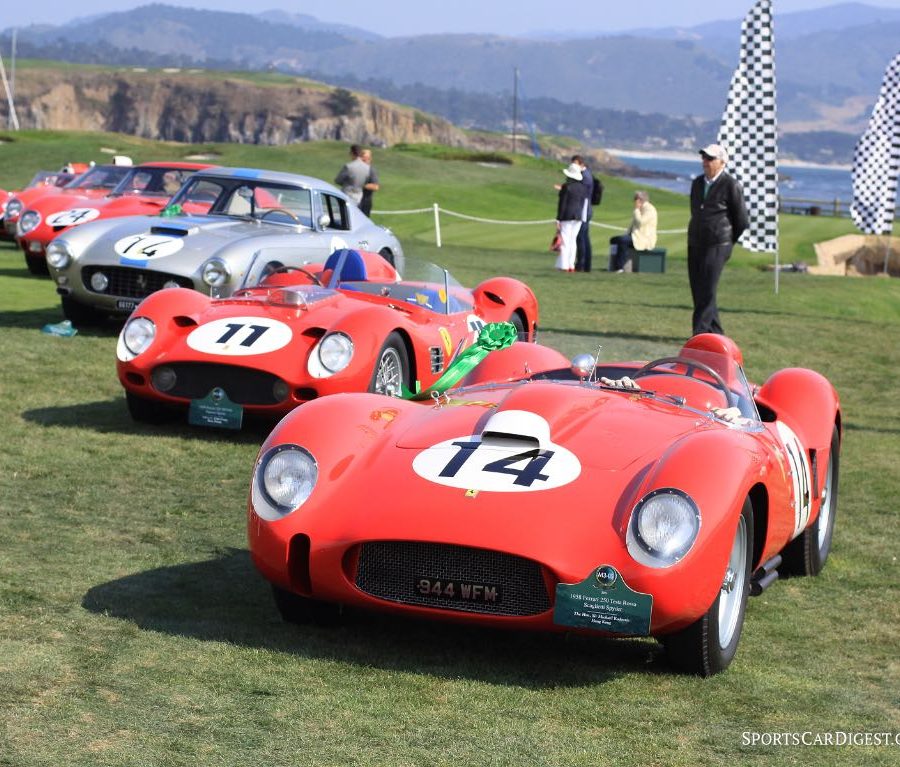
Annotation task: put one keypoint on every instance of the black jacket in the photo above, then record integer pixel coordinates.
(722, 217)
(572, 197)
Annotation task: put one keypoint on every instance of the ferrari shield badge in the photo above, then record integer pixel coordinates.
(603, 601)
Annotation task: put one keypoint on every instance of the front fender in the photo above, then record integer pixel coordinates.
(716, 467)
(497, 298)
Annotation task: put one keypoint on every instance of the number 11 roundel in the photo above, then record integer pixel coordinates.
(506, 466)
(240, 336)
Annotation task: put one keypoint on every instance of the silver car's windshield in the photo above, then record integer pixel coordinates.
(247, 198)
(152, 182)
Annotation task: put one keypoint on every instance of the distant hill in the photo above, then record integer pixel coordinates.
(829, 67)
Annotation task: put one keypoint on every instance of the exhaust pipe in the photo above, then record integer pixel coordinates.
(765, 576)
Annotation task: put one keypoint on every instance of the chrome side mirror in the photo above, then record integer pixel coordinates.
(583, 366)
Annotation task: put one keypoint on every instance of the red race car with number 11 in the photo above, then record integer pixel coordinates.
(352, 323)
(620, 499)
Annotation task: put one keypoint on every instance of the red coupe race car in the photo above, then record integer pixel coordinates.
(354, 323)
(543, 495)
(43, 182)
(144, 190)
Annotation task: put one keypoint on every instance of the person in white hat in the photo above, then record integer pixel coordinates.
(718, 219)
(573, 195)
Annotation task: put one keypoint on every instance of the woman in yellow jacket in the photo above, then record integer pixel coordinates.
(641, 235)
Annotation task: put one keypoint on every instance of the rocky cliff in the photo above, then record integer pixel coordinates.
(201, 106)
(196, 107)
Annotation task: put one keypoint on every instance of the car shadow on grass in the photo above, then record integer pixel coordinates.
(226, 600)
(596, 335)
(111, 416)
(35, 319)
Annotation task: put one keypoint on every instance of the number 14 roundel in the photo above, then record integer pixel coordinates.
(507, 467)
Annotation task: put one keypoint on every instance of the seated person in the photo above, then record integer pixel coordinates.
(641, 235)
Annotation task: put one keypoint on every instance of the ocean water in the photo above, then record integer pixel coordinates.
(801, 182)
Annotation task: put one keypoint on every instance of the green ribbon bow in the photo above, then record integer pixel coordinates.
(171, 210)
(493, 336)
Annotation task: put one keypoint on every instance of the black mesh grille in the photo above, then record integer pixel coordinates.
(392, 570)
(194, 380)
(131, 283)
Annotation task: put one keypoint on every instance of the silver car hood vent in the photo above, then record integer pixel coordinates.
(173, 231)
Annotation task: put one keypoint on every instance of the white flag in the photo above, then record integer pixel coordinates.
(876, 161)
(749, 128)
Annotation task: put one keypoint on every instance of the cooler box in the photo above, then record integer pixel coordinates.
(648, 260)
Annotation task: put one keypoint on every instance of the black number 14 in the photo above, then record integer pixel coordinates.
(525, 476)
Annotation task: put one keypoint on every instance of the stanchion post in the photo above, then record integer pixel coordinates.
(437, 225)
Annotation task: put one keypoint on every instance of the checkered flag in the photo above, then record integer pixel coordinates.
(876, 161)
(749, 128)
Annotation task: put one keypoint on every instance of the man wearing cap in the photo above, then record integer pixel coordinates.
(718, 219)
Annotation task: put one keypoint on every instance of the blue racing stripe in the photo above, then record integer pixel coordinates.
(246, 173)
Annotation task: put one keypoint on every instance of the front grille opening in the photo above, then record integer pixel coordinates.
(391, 570)
(244, 386)
(131, 283)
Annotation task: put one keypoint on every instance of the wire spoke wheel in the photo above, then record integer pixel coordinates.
(391, 368)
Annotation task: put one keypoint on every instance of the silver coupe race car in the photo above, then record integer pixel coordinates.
(219, 223)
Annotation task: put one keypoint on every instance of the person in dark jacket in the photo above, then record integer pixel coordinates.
(718, 219)
(573, 195)
(584, 252)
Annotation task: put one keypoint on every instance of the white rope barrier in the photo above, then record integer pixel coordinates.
(436, 210)
(401, 212)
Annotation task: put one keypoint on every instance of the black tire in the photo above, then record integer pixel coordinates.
(808, 552)
(521, 330)
(708, 645)
(79, 314)
(302, 610)
(146, 410)
(37, 265)
(391, 368)
(387, 255)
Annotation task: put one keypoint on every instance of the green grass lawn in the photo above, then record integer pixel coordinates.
(135, 631)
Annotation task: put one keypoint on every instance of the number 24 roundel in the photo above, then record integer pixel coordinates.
(470, 464)
(240, 336)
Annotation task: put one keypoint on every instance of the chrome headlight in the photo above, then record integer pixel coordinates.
(13, 207)
(283, 480)
(663, 527)
(335, 352)
(215, 273)
(28, 221)
(59, 254)
(135, 337)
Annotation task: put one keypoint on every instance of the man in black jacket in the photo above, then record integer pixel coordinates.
(718, 219)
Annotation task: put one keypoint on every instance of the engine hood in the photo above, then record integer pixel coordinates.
(604, 429)
(174, 244)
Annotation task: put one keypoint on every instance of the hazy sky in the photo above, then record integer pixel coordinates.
(411, 17)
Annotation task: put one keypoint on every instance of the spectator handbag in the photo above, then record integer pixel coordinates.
(556, 243)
